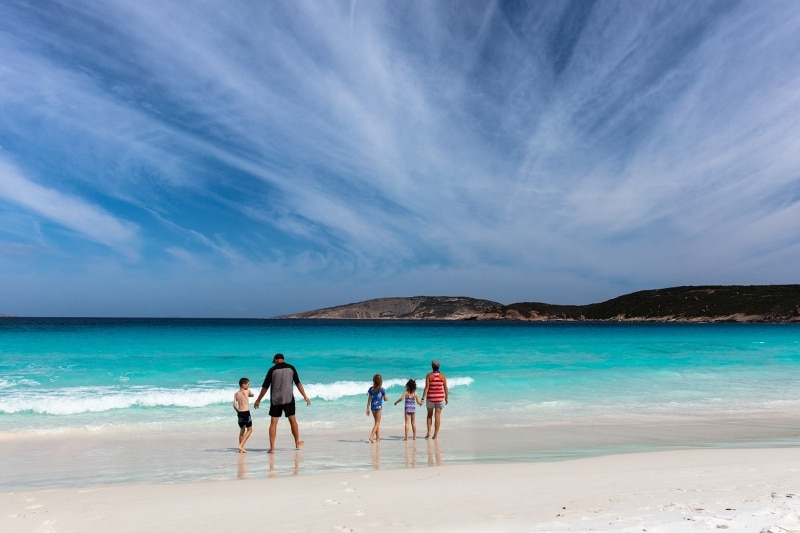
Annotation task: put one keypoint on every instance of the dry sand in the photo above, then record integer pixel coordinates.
(754, 490)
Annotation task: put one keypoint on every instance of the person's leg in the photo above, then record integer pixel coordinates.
(374, 433)
(407, 423)
(378, 416)
(438, 422)
(428, 421)
(247, 433)
(273, 431)
(241, 439)
(295, 432)
(413, 417)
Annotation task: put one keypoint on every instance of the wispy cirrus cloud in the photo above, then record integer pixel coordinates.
(91, 221)
(563, 151)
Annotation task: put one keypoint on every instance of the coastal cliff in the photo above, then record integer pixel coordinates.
(414, 308)
(711, 303)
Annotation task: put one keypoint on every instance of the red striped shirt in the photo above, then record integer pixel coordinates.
(436, 389)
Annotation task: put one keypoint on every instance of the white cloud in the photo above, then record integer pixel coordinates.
(90, 221)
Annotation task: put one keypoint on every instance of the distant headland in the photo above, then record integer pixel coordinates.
(709, 303)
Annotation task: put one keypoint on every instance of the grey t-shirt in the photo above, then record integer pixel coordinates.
(279, 380)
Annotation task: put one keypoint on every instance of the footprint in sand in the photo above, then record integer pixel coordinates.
(331, 500)
(32, 507)
(349, 489)
(342, 528)
(361, 512)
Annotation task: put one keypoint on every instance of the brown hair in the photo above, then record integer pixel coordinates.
(377, 381)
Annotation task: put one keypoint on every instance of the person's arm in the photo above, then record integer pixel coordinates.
(400, 398)
(385, 398)
(368, 402)
(303, 392)
(260, 395)
(235, 402)
(416, 399)
(427, 384)
(444, 385)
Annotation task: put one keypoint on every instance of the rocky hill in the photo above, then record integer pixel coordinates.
(712, 303)
(415, 307)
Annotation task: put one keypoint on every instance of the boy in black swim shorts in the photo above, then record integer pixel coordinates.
(241, 404)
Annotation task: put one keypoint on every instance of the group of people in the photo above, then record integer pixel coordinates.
(282, 377)
(435, 396)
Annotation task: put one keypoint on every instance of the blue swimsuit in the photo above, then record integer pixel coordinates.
(376, 398)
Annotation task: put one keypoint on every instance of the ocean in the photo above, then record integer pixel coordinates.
(556, 389)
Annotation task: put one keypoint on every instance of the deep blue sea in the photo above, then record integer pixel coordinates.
(107, 374)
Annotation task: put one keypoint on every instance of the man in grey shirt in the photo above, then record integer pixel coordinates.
(281, 378)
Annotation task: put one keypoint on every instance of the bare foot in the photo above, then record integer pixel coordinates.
(428, 436)
(270, 451)
(370, 440)
(435, 435)
(242, 450)
(405, 438)
(299, 444)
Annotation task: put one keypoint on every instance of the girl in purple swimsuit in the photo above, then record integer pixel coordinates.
(411, 401)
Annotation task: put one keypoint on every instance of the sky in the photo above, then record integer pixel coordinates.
(231, 158)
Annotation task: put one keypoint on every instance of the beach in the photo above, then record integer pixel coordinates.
(755, 490)
(128, 425)
(466, 480)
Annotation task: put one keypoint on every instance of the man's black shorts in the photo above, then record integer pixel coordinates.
(287, 409)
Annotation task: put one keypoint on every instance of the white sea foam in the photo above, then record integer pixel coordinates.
(342, 389)
(77, 400)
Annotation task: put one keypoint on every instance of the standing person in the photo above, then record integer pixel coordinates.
(437, 397)
(411, 400)
(241, 404)
(280, 377)
(376, 395)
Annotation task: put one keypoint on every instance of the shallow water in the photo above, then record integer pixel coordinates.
(519, 391)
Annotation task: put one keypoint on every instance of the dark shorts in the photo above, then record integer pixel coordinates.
(245, 420)
(288, 409)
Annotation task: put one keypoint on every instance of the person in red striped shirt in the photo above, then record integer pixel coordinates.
(436, 396)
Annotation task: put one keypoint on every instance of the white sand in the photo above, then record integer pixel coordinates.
(750, 490)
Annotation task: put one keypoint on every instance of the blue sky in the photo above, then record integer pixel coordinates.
(250, 159)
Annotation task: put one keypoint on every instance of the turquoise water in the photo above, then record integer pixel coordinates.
(111, 374)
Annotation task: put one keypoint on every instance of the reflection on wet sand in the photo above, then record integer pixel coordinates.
(241, 472)
(411, 454)
(375, 450)
(434, 453)
(295, 469)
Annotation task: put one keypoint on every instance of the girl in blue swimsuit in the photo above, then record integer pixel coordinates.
(375, 398)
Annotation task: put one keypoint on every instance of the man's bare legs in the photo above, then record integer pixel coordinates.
(273, 431)
(295, 432)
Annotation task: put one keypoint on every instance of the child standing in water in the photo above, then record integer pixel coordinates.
(411, 401)
(241, 404)
(375, 398)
